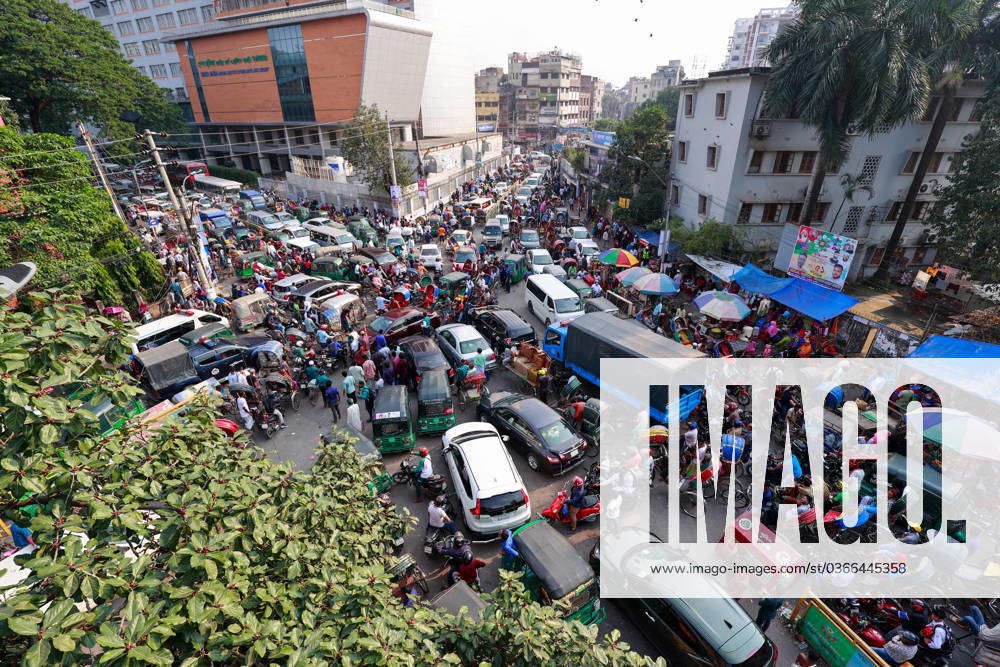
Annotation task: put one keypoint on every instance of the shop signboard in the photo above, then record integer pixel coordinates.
(487, 127)
(822, 257)
(422, 187)
(602, 138)
(835, 647)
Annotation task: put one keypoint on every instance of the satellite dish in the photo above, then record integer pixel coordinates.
(13, 278)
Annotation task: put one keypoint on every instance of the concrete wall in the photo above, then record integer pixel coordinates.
(448, 105)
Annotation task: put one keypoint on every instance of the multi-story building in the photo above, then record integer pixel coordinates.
(488, 80)
(139, 26)
(731, 163)
(487, 111)
(666, 76)
(613, 103)
(546, 94)
(751, 36)
(591, 95)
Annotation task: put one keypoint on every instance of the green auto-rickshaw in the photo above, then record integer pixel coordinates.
(554, 572)
(333, 267)
(435, 409)
(580, 286)
(367, 452)
(207, 332)
(517, 265)
(453, 283)
(392, 429)
(244, 263)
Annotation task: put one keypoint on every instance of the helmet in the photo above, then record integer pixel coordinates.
(541, 372)
(459, 537)
(917, 604)
(323, 327)
(312, 363)
(577, 481)
(423, 451)
(298, 343)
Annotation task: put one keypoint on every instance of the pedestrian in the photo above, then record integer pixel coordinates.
(543, 386)
(354, 416)
(244, 411)
(768, 610)
(370, 370)
(366, 394)
(332, 398)
(423, 469)
(479, 361)
(22, 536)
(350, 386)
(577, 498)
(808, 658)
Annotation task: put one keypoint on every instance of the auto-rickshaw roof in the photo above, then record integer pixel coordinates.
(552, 558)
(453, 598)
(166, 364)
(454, 276)
(328, 260)
(512, 257)
(433, 386)
(391, 403)
(246, 257)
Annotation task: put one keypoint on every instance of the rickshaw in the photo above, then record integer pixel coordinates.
(453, 283)
(268, 355)
(557, 248)
(302, 213)
(368, 453)
(207, 332)
(517, 265)
(570, 266)
(472, 388)
(391, 428)
(435, 409)
(553, 571)
(332, 309)
(286, 387)
(167, 369)
(243, 265)
(249, 311)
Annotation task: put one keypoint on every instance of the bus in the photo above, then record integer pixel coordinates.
(178, 171)
(215, 186)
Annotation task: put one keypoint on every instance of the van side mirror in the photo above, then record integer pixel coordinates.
(505, 438)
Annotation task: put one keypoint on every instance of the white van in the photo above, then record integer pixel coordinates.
(284, 287)
(328, 236)
(550, 300)
(489, 488)
(305, 244)
(172, 327)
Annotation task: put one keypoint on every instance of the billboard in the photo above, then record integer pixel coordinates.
(602, 138)
(487, 127)
(822, 257)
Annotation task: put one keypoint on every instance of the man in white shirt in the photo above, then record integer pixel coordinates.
(354, 416)
(424, 470)
(244, 410)
(438, 518)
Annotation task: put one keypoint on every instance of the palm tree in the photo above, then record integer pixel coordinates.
(961, 41)
(851, 184)
(845, 64)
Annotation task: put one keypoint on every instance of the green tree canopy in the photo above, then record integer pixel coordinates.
(51, 215)
(366, 148)
(644, 135)
(712, 238)
(59, 67)
(200, 551)
(668, 98)
(607, 125)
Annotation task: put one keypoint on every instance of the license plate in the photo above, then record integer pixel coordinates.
(428, 549)
(399, 541)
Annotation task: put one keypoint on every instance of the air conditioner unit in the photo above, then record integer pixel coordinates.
(760, 129)
(929, 186)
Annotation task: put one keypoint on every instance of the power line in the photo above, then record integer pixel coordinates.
(59, 150)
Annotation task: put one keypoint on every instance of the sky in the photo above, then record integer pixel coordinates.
(613, 44)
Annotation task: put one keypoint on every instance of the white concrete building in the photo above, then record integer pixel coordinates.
(752, 35)
(666, 76)
(731, 164)
(448, 106)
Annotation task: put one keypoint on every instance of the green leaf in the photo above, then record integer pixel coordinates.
(38, 654)
(64, 643)
(24, 625)
(112, 655)
(48, 434)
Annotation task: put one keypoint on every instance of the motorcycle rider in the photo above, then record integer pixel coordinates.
(422, 470)
(437, 517)
(576, 500)
(271, 402)
(460, 553)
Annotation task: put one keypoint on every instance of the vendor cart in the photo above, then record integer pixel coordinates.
(526, 362)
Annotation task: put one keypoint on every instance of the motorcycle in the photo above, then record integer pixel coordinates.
(267, 423)
(860, 623)
(558, 509)
(433, 486)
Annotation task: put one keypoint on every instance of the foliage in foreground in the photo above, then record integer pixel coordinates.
(199, 550)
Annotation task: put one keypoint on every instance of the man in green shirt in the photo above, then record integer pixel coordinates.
(479, 361)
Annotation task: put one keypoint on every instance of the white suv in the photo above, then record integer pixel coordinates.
(488, 485)
(429, 255)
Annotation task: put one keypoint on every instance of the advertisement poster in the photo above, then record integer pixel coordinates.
(602, 138)
(396, 193)
(822, 257)
(422, 187)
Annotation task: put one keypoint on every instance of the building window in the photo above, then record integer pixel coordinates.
(876, 257)
(165, 20)
(151, 47)
(131, 49)
(125, 28)
(870, 168)
(894, 211)
(682, 151)
(207, 12)
(145, 24)
(772, 213)
(187, 16)
(934, 165)
(702, 205)
(974, 114)
(181, 93)
(911, 162)
(84, 11)
(118, 6)
(689, 104)
(820, 213)
(919, 209)
(675, 195)
(956, 108)
(918, 255)
(158, 71)
(853, 219)
(142, 69)
(782, 162)
(139, 5)
(755, 161)
(712, 157)
(745, 211)
(721, 103)
(808, 162)
(175, 69)
(291, 73)
(794, 212)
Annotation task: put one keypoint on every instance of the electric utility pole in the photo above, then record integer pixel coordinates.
(392, 168)
(101, 174)
(194, 239)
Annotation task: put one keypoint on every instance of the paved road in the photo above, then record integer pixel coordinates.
(296, 444)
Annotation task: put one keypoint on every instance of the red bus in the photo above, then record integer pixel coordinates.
(178, 171)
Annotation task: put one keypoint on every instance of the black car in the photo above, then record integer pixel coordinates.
(424, 355)
(499, 324)
(218, 356)
(532, 427)
(686, 631)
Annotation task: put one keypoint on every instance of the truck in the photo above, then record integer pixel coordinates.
(254, 199)
(577, 347)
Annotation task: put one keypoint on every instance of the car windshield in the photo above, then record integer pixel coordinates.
(300, 233)
(429, 252)
(541, 258)
(380, 323)
(470, 346)
(284, 217)
(568, 305)
(581, 234)
(492, 230)
(529, 235)
(588, 250)
(465, 256)
(557, 436)
(342, 238)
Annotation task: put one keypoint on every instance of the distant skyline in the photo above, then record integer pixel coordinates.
(613, 44)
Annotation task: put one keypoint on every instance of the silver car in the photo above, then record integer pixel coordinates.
(460, 342)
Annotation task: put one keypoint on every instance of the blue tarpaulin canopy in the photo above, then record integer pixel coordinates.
(955, 348)
(813, 300)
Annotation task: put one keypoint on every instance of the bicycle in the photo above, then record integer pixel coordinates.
(718, 490)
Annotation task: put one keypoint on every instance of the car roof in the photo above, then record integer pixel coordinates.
(535, 412)
(490, 464)
(419, 342)
(312, 286)
(509, 318)
(429, 245)
(462, 331)
(401, 312)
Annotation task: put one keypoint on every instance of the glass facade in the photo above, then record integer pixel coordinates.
(288, 56)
